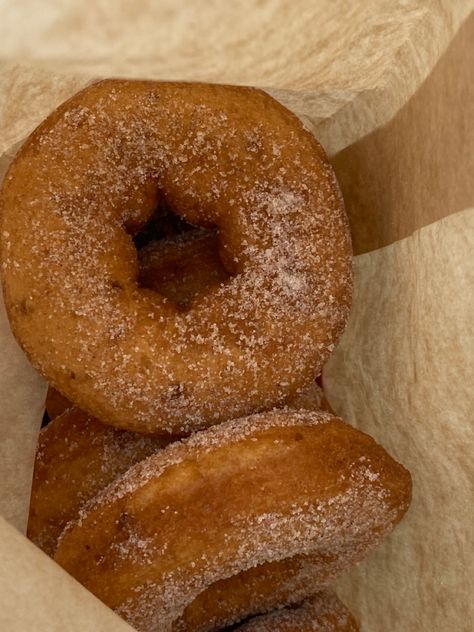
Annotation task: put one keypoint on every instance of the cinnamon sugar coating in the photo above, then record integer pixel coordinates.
(225, 157)
(323, 612)
(78, 457)
(276, 485)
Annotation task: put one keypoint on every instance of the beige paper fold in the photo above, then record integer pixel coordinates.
(38, 596)
(347, 67)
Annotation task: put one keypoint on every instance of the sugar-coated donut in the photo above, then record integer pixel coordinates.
(247, 492)
(78, 456)
(229, 157)
(259, 589)
(323, 612)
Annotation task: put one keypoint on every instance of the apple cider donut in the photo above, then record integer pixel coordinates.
(226, 157)
(77, 457)
(181, 520)
(260, 589)
(323, 612)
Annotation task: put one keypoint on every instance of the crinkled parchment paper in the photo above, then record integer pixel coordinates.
(404, 373)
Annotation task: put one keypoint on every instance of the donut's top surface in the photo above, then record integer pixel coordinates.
(230, 157)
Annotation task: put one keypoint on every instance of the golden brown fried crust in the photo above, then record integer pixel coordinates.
(223, 156)
(77, 457)
(276, 485)
(323, 612)
(259, 589)
(56, 403)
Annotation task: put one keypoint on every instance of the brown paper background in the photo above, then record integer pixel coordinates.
(364, 77)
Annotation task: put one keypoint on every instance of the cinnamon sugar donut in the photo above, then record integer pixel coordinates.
(244, 493)
(230, 157)
(323, 612)
(78, 457)
(259, 589)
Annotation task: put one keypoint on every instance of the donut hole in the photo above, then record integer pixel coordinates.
(163, 223)
(176, 259)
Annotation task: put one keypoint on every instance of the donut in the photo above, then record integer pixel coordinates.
(222, 157)
(323, 612)
(56, 403)
(77, 457)
(260, 589)
(248, 492)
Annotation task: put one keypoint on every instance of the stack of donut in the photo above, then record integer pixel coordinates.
(193, 475)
